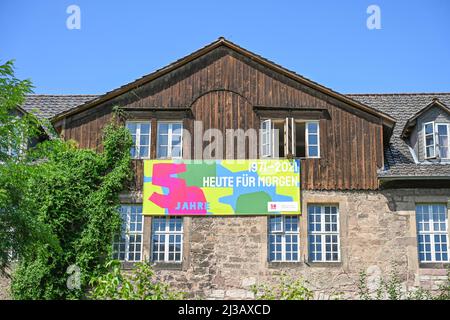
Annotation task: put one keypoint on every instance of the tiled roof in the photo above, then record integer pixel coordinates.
(402, 106)
(47, 106)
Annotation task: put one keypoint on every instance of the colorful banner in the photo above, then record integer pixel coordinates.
(221, 187)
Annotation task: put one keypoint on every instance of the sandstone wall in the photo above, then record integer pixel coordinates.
(224, 256)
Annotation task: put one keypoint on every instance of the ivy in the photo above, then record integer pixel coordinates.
(75, 193)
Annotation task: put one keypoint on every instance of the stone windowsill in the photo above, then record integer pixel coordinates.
(126, 265)
(167, 266)
(434, 265)
(324, 264)
(274, 265)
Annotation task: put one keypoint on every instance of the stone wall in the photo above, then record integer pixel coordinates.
(224, 256)
(4, 288)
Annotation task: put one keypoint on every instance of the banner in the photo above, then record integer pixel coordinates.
(221, 187)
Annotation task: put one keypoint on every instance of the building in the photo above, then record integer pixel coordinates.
(375, 175)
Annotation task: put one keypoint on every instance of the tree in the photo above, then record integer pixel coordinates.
(18, 228)
(76, 194)
(58, 203)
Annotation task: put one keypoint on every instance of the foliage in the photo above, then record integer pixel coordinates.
(287, 288)
(74, 193)
(19, 228)
(444, 288)
(391, 289)
(139, 285)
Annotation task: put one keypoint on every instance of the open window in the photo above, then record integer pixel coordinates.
(289, 137)
(436, 140)
(430, 144)
(442, 131)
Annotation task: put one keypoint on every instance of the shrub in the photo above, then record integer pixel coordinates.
(391, 289)
(139, 285)
(286, 289)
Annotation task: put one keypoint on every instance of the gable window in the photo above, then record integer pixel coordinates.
(323, 233)
(281, 138)
(266, 138)
(167, 239)
(443, 142)
(170, 136)
(283, 238)
(437, 143)
(312, 139)
(432, 234)
(127, 245)
(140, 133)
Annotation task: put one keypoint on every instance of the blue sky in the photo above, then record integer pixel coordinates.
(326, 41)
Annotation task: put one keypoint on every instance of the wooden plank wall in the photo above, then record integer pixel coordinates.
(222, 87)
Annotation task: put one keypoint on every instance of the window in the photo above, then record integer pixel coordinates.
(128, 245)
(430, 150)
(323, 233)
(266, 139)
(300, 141)
(297, 138)
(284, 238)
(436, 140)
(312, 139)
(170, 139)
(432, 236)
(14, 145)
(140, 133)
(167, 239)
(443, 142)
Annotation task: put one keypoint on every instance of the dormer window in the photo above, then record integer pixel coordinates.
(443, 142)
(430, 145)
(436, 140)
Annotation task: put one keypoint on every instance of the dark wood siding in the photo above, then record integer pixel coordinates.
(222, 87)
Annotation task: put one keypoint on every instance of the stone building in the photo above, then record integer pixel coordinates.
(374, 175)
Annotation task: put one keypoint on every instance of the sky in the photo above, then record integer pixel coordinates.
(326, 41)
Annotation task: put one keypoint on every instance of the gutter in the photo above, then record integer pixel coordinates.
(396, 178)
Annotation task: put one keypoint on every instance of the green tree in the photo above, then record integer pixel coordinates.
(76, 194)
(58, 203)
(18, 226)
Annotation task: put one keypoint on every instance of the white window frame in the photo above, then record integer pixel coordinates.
(307, 142)
(437, 140)
(267, 133)
(283, 233)
(288, 148)
(169, 140)
(425, 135)
(431, 233)
(137, 143)
(10, 152)
(286, 136)
(167, 233)
(125, 213)
(323, 233)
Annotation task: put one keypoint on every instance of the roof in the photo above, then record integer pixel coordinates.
(404, 106)
(411, 123)
(395, 108)
(387, 120)
(48, 106)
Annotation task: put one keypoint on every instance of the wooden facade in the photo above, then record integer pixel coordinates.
(223, 88)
